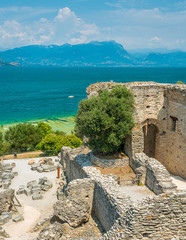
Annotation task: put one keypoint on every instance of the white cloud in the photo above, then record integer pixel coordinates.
(155, 39)
(65, 27)
(134, 28)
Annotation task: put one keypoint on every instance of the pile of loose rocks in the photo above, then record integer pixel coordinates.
(35, 189)
(44, 165)
(6, 174)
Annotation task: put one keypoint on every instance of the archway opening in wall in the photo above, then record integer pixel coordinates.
(150, 130)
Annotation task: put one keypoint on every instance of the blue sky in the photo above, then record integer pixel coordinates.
(136, 24)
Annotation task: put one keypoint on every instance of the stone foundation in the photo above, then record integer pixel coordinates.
(108, 163)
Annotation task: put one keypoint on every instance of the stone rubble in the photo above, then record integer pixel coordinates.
(35, 189)
(44, 165)
(6, 174)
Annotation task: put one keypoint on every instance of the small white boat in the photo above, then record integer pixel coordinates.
(70, 96)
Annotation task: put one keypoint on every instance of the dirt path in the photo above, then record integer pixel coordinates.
(31, 216)
(23, 155)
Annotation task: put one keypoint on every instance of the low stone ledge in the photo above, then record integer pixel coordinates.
(108, 163)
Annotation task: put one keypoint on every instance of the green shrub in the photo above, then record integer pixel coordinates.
(22, 137)
(106, 120)
(53, 143)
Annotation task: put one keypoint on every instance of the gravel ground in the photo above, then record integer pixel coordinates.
(33, 211)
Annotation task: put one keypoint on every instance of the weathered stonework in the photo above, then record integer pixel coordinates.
(111, 163)
(160, 116)
(162, 217)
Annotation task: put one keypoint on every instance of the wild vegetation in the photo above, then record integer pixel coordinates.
(25, 137)
(106, 120)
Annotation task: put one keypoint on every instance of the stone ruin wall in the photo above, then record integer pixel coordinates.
(108, 205)
(162, 217)
(156, 104)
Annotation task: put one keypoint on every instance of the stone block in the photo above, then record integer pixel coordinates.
(4, 219)
(32, 161)
(27, 192)
(42, 180)
(18, 218)
(9, 214)
(35, 186)
(29, 184)
(45, 188)
(37, 196)
(48, 183)
(40, 169)
(20, 191)
(35, 166)
(36, 190)
(46, 168)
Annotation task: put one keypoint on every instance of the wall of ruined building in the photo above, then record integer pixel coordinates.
(108, 203)
(155, 103)
(171, 147)
(162, 217)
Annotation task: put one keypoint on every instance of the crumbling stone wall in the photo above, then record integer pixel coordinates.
(162, 106)
(162, 217)
(152, 173)
(108, 202)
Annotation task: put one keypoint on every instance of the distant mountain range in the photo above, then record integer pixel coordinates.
(105, 54)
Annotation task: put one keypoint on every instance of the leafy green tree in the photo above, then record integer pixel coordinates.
(53, 143)
(22, 137)
(58, 132)
(106, 120)
(44, 129)
(73, 141)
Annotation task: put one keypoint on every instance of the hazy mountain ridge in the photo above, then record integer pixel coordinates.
(106, 54)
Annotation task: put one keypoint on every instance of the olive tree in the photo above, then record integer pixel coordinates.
(106, 120)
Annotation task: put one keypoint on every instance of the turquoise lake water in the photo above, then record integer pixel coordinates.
(42, 93)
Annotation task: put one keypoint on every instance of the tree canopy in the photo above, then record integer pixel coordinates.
(53, 143)
(106, 120)
(44, 129)
(22, 137)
